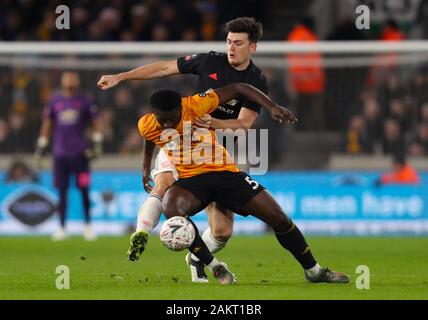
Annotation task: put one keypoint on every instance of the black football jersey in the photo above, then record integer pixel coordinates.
(214, 71)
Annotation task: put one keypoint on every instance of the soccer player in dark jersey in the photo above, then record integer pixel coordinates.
(211, 180)
(68, 114)
(214, 70)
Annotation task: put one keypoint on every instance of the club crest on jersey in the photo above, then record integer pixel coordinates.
(232, 102)
(213, 76)
(69, 116)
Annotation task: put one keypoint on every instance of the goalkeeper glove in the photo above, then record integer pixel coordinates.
(96, 149)
(41, 151)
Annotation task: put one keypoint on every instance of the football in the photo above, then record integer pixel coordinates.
(177, 233)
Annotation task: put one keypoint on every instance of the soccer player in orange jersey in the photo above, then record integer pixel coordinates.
(213, 70)
(212, 176)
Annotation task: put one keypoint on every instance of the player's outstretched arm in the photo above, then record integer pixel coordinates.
(147, 162)
(255, 95)
(149, 71)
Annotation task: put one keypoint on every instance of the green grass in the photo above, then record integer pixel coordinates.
(99, 270)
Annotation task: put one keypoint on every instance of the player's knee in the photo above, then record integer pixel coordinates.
(170, 207)
(222, 233)
(159, 189)
(162, 182)
(282, 223)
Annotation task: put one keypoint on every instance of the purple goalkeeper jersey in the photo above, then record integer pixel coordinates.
(70, 116)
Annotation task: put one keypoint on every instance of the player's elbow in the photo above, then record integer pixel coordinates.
(245, 124)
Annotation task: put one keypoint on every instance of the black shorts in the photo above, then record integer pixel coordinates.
(231, 189)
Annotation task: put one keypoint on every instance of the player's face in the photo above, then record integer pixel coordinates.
(168, 119)
(239, 48)
(70, 81)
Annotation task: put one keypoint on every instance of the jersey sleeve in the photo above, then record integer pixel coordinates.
(192, 63)
(204, 103)
(49, 112)
(261, 84)
(147, 126)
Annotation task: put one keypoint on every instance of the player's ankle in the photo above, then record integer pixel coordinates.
(213, 263)
(314, 271)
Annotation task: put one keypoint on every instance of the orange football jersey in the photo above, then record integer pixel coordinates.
(192, 150)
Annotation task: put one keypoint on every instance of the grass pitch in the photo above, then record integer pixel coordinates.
(99, 270)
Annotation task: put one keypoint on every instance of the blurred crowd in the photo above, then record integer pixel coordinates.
(118, 20)
(377, 109)
(381, 107)
(24, 94)
(391, 118)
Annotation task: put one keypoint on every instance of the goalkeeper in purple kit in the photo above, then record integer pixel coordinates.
(68, 115)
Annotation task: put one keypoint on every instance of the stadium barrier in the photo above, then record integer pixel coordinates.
(334, 203)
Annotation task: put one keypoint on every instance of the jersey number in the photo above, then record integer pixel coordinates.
(254, 184)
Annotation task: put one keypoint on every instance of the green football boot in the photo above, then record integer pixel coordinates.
(138, 242)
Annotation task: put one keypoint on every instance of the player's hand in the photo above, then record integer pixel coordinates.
(96, 149)
(203, 122)
(41, 152)
(147, 180)
(108, 81)
(282, 114)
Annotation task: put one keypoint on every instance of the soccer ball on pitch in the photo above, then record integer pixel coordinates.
(177, 233)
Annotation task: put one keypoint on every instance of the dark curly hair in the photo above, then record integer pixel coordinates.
(248, 25)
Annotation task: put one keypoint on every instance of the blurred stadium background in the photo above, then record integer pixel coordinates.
(367, 102)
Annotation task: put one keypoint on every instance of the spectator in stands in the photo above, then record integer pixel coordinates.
(345, 30)
(107, 119)
(373, 119)
(47, 30)
(386, 63)
(392, 89)
(307, 79)
(168, 18)
(418, 145)
(356, 139)
(132, 143)
(160, 32)
(391, 32)
(20, 139)
(125, 112)
(398, 112)
(403, 173)
(424, 113)
(110, 20)
(140, 25)
(5, 144)
(392, 137)
(19, 171)
(79, 21)
(417, 90)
